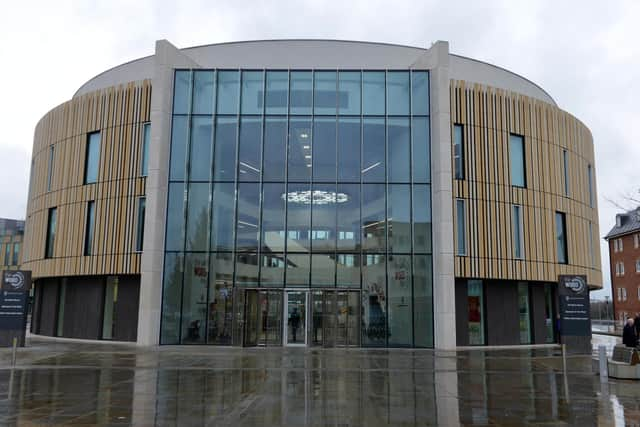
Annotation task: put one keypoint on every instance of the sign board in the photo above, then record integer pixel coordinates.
(623, 354)
(575, 315)
(14, 299)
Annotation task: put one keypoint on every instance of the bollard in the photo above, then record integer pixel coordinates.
(602, 361)
(564, 368)
(13, 355)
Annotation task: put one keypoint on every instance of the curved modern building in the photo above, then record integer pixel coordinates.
(309, 193)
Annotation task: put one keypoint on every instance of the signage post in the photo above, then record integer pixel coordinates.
(14, 299)
(575, 314)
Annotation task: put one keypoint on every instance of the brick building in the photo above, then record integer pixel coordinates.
(624, 261)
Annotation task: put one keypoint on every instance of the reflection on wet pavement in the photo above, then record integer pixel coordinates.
(89, 384)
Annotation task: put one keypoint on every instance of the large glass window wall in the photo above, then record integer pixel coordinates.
(299, 179)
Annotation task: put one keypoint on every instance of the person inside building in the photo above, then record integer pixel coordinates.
(629, 337)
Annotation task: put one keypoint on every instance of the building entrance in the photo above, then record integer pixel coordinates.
(319, 318)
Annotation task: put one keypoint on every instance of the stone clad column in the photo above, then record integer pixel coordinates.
(167, 58)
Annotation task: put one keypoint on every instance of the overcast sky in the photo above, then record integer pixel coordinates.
(584, 53)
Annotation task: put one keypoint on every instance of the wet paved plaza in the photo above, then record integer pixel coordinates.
(62, 383)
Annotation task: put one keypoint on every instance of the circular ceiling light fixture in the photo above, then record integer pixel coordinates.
(317, 197)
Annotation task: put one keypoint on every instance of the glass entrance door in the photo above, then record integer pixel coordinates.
(262, 318)
(335, 318)
(296, 315)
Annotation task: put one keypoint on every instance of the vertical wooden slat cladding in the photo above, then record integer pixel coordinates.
(118, 114)
(489, 115)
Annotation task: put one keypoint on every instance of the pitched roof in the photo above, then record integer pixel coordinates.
(626, 223)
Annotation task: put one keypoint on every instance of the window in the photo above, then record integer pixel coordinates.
(516, 157)
(89, 228)
(517, 232)
(619, 268)
(525, 317)
(475, 309)
(92, 158)
(636, 241)
(624, 294)
(561, 238)
(142, 204)
(458, 151)
(461, 248)
(50, 168)
(51, 232)
(638, 292)
(619, 294)
(638, 266)
(146, 138)
(16, 253)
(590, 183)
(617, 243)
(7, 254)
(565, 164)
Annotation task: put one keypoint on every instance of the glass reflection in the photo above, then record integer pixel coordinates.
(273, 209)
(323, 214)
(398, 93)
(275, 148)
(194, 297)
(203, 89)
(248, 223)
(228, 92)
(399, 218)
(373, 218)
(349, 149)
(349, 84)
(374, 300)
(222, 217)
(324, 96)
(301, 93)
(348, 218)
(252, 91)
(171, 298)
(421, 219)
(422, 301)
(324, 149)
(198, 217)
(420, 92)
(373, 93)
(247, 267)
(298, 220)
(298, 269)
(421, 149)
(299, 152)
(373, 150)
(181, 92)
(348, 270)
(400, 301)
(272, 269)
(179, 135)
(323, 270)
(398, 150)
(175, 217)
(277, 95)
(201, 148)
(249, 156)
(224, 168)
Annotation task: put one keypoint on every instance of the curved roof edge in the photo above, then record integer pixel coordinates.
(290, 52)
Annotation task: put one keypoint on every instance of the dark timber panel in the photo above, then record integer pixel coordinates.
(462, 318)
(503, 323)
(126, 309)
(536, 292)
(48, 310)
(83, 307)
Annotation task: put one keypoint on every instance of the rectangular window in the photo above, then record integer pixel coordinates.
(620, 246)
(16, 254)
(475, 304)
(146, 138)
(50, 167)
(565, 165)
(458, 151)
(7, 254)
(517, 163)
(89, 228)
(51, 232)
(525, 318)
(638, 266)
(561, 238)
(621, 268)
(590, 183)
(461, 248)
(517, 232)
(142, 205)
(636, 241)
(92, 158)
(639, 293)
(624, 294)
(619, 294)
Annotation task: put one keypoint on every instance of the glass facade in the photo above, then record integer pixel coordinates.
(299, 180)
